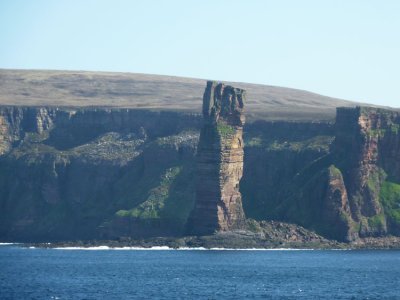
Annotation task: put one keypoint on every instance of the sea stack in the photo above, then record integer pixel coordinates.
(218, 205)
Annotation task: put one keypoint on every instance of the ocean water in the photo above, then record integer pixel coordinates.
(197, 274)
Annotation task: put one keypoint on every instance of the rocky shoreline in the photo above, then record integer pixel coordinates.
(259, 235)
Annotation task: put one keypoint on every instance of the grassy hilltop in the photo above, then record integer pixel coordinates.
(157, 92)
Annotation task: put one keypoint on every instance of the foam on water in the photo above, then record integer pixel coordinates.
(166, 248)
(114, 248)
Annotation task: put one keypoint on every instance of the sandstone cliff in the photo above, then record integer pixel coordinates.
(98, 172)
(367, 152)
(84, 173)
(354, 190)
(218, 204)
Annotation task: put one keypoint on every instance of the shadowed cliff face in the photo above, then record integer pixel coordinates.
(110, 173)
(87, 173)
(93, 173)
(218, 203)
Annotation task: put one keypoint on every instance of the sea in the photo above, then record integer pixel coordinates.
(163, 273)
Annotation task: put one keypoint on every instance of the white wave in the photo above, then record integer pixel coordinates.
(191, 248)
(83, 248)
(142, 248)
(114, 248)
(164, 248)
(259, 249)
(177, 249)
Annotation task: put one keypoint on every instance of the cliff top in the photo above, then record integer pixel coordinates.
(366, 110)
(156, 92)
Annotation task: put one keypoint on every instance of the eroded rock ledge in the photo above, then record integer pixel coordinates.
(218, 205)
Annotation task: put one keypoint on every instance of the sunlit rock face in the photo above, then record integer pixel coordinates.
(367, 151)
(354, 191)
(218, 205)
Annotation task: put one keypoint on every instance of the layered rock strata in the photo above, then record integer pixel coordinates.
(84, 173)
(367, 151)
(354, 191)
(68, 173)
(218, 205)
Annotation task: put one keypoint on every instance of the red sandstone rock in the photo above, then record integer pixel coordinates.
(218, 205)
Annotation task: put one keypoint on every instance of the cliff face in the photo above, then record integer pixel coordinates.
(101, 173)
(87, 173)
(341, 180)
(274, 154)
(14, 122)
(93, 173)
(218, 204)
(367, 152)
(354, 190)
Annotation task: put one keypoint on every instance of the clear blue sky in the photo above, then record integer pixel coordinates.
(342, 48)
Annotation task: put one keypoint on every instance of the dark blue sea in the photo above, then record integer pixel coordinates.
(198, 274)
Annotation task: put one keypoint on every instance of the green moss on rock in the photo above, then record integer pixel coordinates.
(254, 142)
(334, 172)
(225, 130)
(394, 128)
(151, 208)
(390, 197)
(377, 222)
(317, 143)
